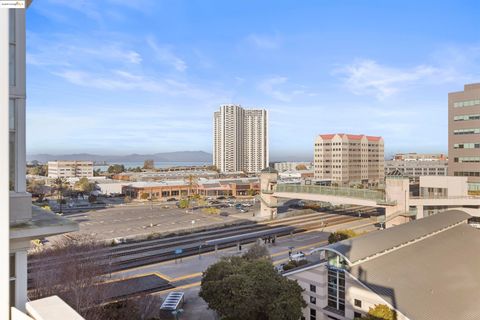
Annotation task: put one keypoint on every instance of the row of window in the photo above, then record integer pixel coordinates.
(466, 117)
(466, 131)
(466, 146)
(467, 103)
(467, 159)
(467, 173)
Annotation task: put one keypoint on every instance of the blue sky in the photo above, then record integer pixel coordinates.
(145, 76)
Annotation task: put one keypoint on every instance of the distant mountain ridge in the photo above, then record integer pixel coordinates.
(179, 156)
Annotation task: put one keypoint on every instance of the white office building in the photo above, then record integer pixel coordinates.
(240, 139)
(70, 169)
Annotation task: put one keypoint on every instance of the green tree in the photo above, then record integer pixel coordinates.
(301, 166)
(84, 185)
(341, 235)
(149, 165)
(238, 288)
(380, 312)
(37, 170)
(60, 185)
(116, 168)
(192, 182)
(36, 187)
(294, 264)
(184, 203)
(257, 251)
(144, 196)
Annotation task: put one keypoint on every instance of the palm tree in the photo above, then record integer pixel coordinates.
(60, 185)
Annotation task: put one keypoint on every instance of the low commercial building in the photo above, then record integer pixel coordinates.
(416, 168)
(292, 166)
(408, 268)
(181, 188)
(70, 169)
(412, 156)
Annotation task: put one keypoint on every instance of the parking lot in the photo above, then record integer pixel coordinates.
(144, 219)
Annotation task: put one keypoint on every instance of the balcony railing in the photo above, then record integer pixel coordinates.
(334, 191)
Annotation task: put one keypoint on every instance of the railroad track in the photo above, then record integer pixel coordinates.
(131, 255)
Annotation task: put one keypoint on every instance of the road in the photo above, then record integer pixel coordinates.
(185, 274)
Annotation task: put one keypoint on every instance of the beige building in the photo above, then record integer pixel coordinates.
(70, 169)
(25, 223)
(415, 169)
(349, 159)
(412, 156)
(240, 139)
(291, 166)
(423, 270)
(464, 134)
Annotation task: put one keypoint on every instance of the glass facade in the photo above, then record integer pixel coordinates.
(336, 289)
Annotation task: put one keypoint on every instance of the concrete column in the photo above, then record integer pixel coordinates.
(419, 212)
(21, 283)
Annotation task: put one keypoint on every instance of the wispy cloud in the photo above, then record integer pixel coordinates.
(67, 50)
(367, 77)
(263, 41)
(165, 55)
(276, 88)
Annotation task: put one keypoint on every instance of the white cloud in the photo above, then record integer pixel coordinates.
(264, 41)
(367, 77)
(165, 55)
(275, 88)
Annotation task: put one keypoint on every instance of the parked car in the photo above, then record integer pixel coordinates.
(224, 214)
(238, 206)
(297, 256)
(221, 198)
(243, 210)
(171, 199)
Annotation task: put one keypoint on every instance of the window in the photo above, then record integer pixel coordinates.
(313, 314)
(313, 288)
(357, 315)
(12, 143)
(12, 49)
(467, 103)
(313, 300)
(12, 279)
(467, 117)
(466, 131)
(357, 303)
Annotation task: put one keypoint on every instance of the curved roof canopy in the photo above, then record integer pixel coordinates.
(378, 242)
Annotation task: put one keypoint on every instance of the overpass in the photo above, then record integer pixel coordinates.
(399, 206)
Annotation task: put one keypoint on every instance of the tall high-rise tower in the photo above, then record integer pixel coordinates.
(240, 139)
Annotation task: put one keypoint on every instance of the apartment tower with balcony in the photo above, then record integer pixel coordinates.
(26, 222)
(464, 134)
(240, 139)
(348, 159)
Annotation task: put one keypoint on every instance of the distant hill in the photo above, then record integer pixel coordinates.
(179, 156)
